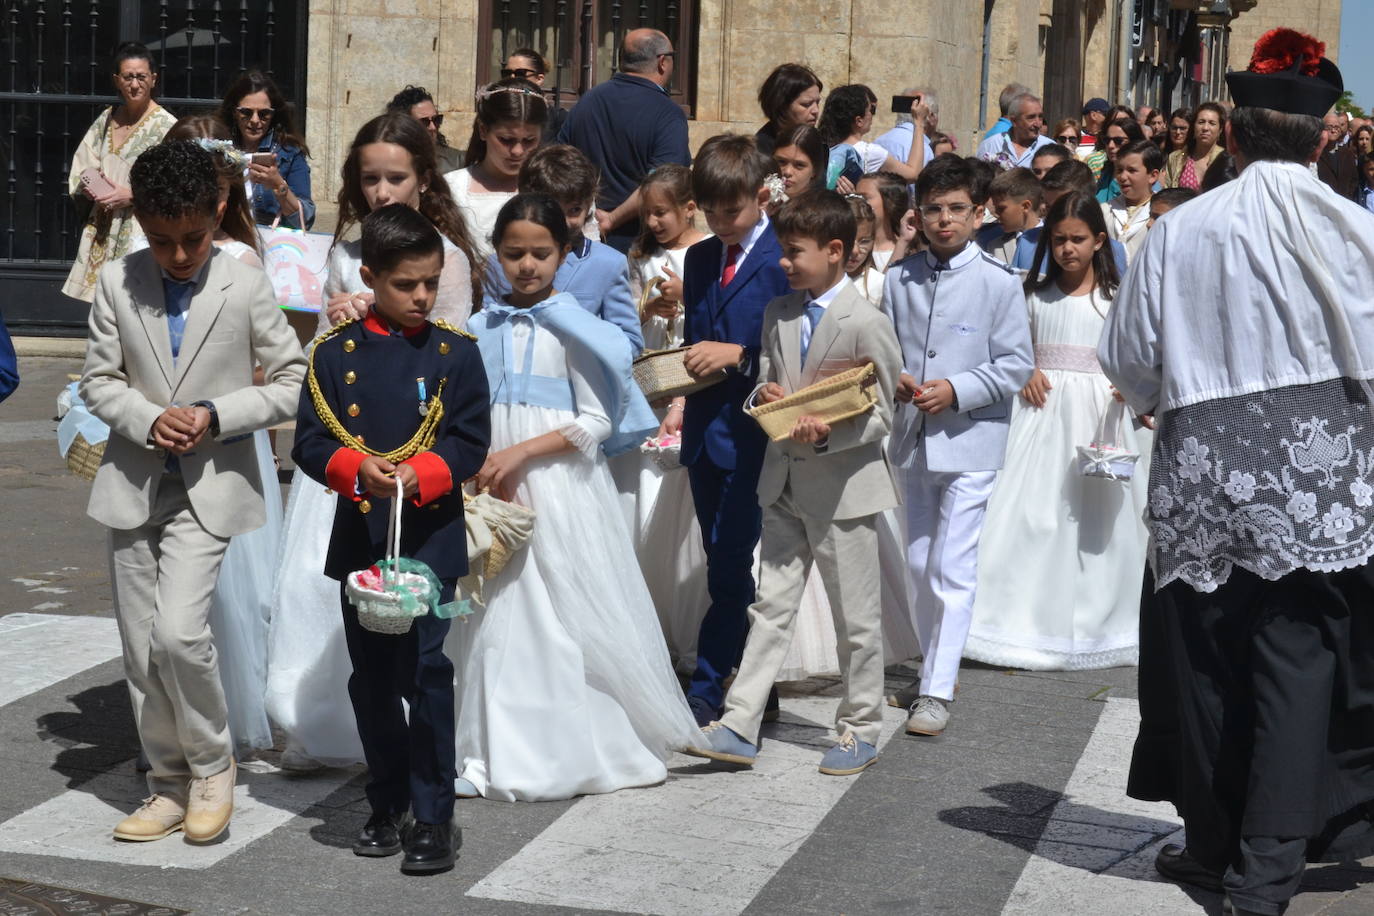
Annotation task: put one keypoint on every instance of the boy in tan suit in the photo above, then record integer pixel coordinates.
(821, 491)
(175, 332)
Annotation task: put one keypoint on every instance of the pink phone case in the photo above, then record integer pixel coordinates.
(96, 184)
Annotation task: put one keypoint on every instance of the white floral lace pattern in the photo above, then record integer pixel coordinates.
(1270, 482)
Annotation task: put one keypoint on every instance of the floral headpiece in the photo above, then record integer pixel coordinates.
(226, 148)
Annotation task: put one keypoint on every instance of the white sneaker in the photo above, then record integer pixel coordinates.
(929, 716)
(295, 760)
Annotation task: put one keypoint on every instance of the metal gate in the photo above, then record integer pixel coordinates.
(58, 55)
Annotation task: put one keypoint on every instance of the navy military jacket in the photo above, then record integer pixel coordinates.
(375, 381)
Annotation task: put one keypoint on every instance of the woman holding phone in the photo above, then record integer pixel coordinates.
(261, 122)
(99, 178)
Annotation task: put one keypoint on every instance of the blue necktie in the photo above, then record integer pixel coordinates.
(814, 314)
(177, 296)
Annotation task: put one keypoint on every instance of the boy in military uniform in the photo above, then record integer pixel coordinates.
(395, 398)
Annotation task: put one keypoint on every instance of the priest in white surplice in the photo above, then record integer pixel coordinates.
(1246, 325)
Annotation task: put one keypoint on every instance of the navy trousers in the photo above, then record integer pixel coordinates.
(727, 507)
(411, 766)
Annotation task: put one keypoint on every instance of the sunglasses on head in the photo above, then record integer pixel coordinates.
(435, 120)
(264, 114)
(518, 73)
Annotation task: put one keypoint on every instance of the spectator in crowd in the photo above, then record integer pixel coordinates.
(1185, 167)
(1337, 165)
(1367, 182)
(790, 97)
(848, 115)
(1176, 135)
(942, 143)
(1146, 116)
(508, 127)
(897, 141)
(1154, 123)
(626, 148)
(528, 64)
(1094, 119)
(263, 125)
(1048, 156)
(1118, 113)
(99, 178)
(1004, 99)
(419, 104)
(1016, 147)
(1069, 133)
(800, 158)
(1115, 137)
(1364, 140)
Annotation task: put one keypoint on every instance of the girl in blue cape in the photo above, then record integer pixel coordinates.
(567, 685)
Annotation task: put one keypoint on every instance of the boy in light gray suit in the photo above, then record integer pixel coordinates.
(175, 332)
(966, 350)
(821, 490)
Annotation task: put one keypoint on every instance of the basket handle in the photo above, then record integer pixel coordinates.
(1112, 423)
(393, 531)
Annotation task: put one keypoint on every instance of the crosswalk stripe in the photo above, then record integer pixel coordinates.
(38, 650)
(702, 843)
(1099, 844)
(77, 823)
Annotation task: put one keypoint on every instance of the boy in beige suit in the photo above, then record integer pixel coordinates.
(821, 491)
(175, 332)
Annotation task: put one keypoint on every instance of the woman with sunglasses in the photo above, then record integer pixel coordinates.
(99, 177)
(529, 65)
(1068, 133)
(419, 104)
(1117, 136)
(1186, 167)
(260, 120)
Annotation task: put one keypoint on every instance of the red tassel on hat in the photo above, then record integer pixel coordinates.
(1279, 49)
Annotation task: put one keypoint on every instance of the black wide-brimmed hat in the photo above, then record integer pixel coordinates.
(1288, 72)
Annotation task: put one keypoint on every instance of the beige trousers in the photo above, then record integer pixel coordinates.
(846, 553)
(164, 574)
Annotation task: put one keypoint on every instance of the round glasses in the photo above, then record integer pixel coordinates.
(933, 212)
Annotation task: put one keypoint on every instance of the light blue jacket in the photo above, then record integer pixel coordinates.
(965, 322)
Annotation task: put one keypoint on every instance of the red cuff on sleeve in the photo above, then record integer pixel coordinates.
(342, 472)
(433, 476)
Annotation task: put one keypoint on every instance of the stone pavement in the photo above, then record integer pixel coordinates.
(1020, 808)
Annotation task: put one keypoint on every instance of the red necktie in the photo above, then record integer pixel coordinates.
(731, 256)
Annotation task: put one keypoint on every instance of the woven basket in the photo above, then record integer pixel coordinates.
(385, 602)
(83, 459)
(660, 374)
(839, 397)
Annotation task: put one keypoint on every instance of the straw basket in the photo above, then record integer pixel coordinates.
(389, 600)
(83, 459)
(660, 374)
(839, 397)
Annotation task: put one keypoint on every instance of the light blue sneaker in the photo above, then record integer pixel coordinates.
(848, 757)
(725, 745)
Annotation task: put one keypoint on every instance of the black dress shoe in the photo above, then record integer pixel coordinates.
(1177, 864)
(380, 836)
(431, 848)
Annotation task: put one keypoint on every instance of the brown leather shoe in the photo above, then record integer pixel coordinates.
(210, 804)
(159, 817)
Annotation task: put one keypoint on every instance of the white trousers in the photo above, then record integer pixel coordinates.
(944, 522)
(846, 555)
(164, 575)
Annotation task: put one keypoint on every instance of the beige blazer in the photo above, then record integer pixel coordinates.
(233, 324)
(849, 476)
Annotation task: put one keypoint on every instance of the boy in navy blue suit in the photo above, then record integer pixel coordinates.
(596, 275)
(727, 283)
(366, 420)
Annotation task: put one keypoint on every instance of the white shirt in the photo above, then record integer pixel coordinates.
(1000, 148)
(823, 300)
(747, 244)
(1127, 223)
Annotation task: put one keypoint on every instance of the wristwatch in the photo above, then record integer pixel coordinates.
(214, 416)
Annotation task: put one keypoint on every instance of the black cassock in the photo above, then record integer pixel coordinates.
(1257, 712)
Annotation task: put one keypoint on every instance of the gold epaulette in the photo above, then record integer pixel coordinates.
(447, 326)
(332, 332)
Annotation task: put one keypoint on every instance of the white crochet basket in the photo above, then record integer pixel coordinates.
(1106, 457)
(386, 598)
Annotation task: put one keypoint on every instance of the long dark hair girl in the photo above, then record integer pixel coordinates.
(676, 182)
(1081, 206)
(230, 164)
(508, 100)
(436, 201)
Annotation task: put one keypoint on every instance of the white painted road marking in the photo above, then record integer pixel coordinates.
(77, 824)
(38, 650)
(703, 843)
(1099, 844)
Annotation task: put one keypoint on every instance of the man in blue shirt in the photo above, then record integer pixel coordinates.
(627, 126)
(1016, 148)
(1009, 92)
(898, 140)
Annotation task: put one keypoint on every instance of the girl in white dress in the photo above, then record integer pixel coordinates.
(867, 279)
(889, 198)
(658, 501)
(567, 688)
(506, 128)
(391, 161)
(1062, 555)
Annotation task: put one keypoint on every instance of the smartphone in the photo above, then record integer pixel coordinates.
(901, 104)
(268, 159)
(94, 183)
(853, 171)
